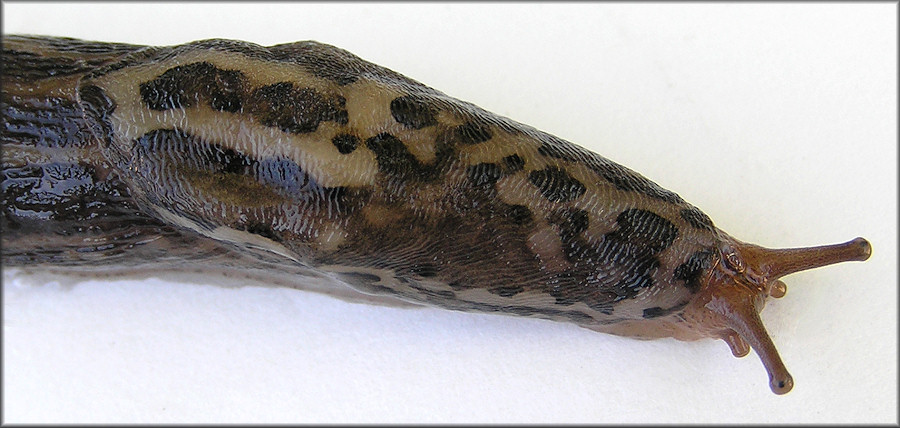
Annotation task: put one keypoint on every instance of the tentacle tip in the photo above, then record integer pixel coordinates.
(739, 347)
(781, 384)
(864, 248)
(778, 289)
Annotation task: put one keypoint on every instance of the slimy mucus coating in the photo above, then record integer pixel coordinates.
(304, 157)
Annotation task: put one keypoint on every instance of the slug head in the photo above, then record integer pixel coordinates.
(736, 287)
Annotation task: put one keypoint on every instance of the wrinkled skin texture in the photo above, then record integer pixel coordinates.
(304, 160)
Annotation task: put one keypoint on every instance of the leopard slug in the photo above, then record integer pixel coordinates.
(304, 160)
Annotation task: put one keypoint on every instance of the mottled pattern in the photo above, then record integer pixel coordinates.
(302, 160)
(413, 112)
(338, 165)
(690, 271)
(182, 86)
(556, 184)
(621, 177)
(471, 133)
(345, 143)
(295, 110)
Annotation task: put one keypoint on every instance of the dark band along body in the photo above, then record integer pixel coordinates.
(302, 159)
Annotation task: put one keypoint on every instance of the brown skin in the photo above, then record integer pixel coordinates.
(736, 289)
(302, 159)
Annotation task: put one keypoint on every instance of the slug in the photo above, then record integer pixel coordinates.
(302, 160)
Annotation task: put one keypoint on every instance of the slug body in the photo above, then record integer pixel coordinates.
(305, 160)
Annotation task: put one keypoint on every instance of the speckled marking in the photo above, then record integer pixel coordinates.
(295, 110)
(413, 112)
(690, 271)
(345, 143)
(471, 133)
(182, 86)
(556, 184)
(310, 152)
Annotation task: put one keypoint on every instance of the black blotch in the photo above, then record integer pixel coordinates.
(392, 155)
(193, 153)
(412, 112)
(263, 230)
(345, 143)
(697, 219)
(519, 214)
(184, 85)
(621, 177)
(638, 267)
(425, 270)
(360, 276)
(484, 174)
(226, 90)
(471, 133)
(98, 108)
(691, 270)
(513, 163)
(293, 110)
(506, 291)
(656, 312)
(653, 312)
(616, 267)
(571, 223)
(182, 154)
(556, 184)
(231, 161)
(644, 228)
(625, 179)
(458, 286)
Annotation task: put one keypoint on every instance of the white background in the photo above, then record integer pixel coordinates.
(777, 120)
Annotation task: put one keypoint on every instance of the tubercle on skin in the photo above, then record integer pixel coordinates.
(303, 156)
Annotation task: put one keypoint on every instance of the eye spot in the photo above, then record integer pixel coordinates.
(733, 260)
